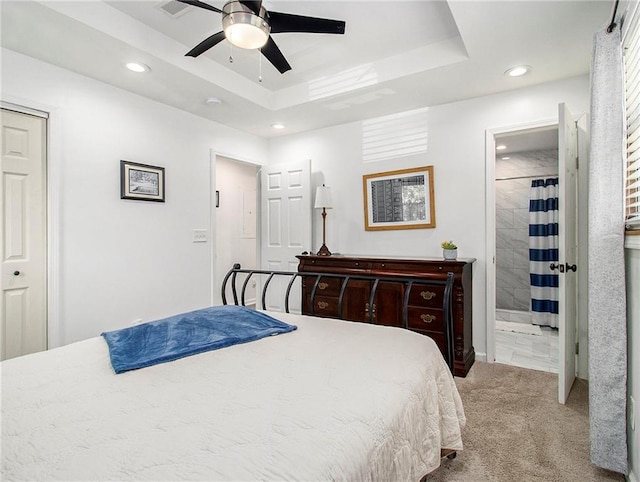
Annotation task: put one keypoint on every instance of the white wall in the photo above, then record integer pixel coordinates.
(456, 150)
(121, 260)
(632, 255)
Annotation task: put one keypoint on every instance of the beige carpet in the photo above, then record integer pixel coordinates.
(517, 431)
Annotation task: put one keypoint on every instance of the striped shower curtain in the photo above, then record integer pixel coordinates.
(543, 250)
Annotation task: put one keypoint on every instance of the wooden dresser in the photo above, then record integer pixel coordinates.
(425, 307)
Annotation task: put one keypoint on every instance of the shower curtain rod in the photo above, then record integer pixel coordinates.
(527, 177)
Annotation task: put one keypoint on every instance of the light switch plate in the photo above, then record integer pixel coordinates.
(200, 235)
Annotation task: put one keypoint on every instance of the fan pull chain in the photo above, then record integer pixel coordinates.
(230, 53)
(260, 65)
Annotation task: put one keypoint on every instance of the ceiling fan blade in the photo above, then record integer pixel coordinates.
(206, 44)
(197, 3)
(274, 55)
(254, 6)
(286, 22)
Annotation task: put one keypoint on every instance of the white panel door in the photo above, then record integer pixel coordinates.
(285, 225)
(23, 304)
(567, 296)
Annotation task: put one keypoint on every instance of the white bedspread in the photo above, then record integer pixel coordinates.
(333, 400)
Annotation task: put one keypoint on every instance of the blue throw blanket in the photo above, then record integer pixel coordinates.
(188, 334)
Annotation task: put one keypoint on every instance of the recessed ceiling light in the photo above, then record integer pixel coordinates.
(518, 71)
(278, 125)
(505, 158)
(138, 67)
(213, 100)
(501, 147)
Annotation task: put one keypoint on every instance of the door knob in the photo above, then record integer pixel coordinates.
(571, 267)
(16, 273)
(559, 267)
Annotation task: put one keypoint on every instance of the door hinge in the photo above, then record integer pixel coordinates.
(577, 348)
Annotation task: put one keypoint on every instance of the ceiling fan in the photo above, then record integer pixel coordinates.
(249, 25)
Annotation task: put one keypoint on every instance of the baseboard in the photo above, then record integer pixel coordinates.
(631, 477)
(483, 358)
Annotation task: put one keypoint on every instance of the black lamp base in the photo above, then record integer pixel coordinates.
(324, 251)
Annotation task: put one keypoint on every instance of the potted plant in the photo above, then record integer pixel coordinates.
(449, 250)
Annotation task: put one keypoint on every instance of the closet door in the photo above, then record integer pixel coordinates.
(285, 200)
(23, 198)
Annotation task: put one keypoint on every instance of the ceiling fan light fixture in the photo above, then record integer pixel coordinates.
(248, 25)
(243, 28)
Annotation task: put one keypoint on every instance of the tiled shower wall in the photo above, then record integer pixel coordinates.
(512, 224)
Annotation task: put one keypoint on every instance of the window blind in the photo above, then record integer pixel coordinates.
(395, 135)
(631, 46)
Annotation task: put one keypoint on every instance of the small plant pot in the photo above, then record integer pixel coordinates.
(450, 253)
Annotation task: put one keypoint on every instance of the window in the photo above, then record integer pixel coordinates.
(631, 49)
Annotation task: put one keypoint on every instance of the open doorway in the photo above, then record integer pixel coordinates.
(526, 234)
(235, 203)
(571, 185)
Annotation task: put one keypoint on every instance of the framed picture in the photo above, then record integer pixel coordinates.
(401, 199)
(141, 182)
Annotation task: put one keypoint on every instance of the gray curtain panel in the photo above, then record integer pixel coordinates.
(607, 300)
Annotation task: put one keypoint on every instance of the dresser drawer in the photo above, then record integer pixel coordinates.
(321, 264)
(324, 306)
(425, 319)
(327, 286)
(422, 295)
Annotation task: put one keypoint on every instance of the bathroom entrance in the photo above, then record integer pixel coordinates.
(553, 280)
(526, 174)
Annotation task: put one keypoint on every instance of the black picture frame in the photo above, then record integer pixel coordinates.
(141, 182)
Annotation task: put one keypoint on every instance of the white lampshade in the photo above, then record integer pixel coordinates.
(323, 197)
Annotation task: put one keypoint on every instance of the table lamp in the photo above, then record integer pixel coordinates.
(323, 201)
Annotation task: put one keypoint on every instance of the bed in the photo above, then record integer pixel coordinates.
(331, 400)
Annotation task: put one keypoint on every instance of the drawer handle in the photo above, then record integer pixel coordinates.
(323, 305)
(427, 318)
(427, 295)
(366, 310)
(323, 286)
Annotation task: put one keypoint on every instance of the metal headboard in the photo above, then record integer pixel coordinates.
(407, 281)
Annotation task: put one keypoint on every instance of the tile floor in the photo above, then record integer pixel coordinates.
(537, 352)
